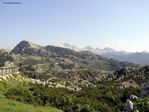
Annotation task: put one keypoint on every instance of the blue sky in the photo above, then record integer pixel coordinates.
(119, 24)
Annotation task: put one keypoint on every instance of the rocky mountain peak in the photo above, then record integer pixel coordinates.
(25, 43)
(25, 46)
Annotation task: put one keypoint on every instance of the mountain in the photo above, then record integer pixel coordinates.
(67, 58)
(25, 47)
(141, 58)
(69, 80)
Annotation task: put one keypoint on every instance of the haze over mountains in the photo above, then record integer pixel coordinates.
(141, 58)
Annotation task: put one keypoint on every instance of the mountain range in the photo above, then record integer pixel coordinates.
(68, 79)
(67, 58)
(141, 58)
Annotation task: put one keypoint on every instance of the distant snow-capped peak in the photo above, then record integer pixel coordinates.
(98, 50)
(65, 45)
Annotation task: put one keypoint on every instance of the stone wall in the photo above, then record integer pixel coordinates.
(6, 71)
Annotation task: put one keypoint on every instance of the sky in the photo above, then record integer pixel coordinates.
(119, 24)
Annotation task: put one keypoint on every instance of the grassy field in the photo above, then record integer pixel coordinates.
(7, 105)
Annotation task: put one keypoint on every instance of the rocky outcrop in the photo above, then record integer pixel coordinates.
(138, 74)
(146, 89)
(129, 72)
(129, 105)
(5, 56)
(133, 97)
(128, 84)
